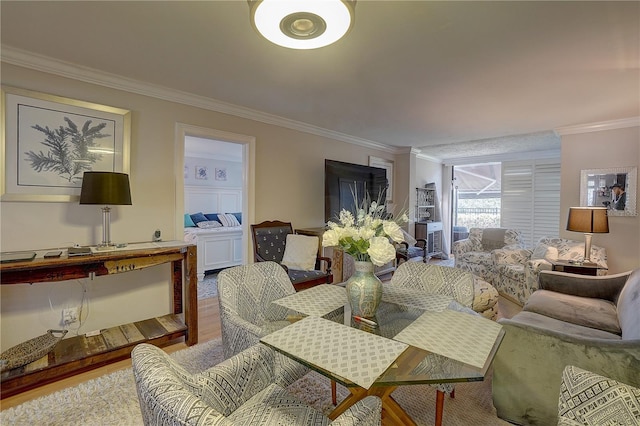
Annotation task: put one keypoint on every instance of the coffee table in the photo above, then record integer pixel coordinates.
(392, 352)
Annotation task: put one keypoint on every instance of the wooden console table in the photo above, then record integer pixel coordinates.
(81, 353)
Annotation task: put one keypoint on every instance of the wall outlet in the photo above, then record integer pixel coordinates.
(70, 315)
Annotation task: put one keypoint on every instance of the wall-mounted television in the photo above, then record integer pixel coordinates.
(340, 179)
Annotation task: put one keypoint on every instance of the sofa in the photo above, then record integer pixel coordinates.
(517, 269)
(474, 253)
(590, 322)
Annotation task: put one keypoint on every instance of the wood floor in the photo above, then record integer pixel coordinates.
(208, 328)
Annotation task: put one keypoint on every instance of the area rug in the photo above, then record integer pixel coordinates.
(112, 399)
(208, 287)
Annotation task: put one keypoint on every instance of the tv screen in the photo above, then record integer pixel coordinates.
(341, 179)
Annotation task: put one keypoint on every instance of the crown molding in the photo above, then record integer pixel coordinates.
(599, 126)
(50, 65)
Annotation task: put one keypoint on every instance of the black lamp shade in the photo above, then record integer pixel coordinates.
(105, 188)
(588, 219)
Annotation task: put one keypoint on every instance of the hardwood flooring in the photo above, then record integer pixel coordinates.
(208, 328)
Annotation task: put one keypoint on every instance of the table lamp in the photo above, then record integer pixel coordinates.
(589, 220)
(105, 188)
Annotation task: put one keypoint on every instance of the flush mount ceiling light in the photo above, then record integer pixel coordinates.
(302, 24)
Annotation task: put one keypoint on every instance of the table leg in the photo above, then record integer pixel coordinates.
(392, 412)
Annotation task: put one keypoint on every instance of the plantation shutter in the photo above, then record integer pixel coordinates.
(531, 198)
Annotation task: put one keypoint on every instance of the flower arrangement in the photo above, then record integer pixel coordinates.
(366, 235)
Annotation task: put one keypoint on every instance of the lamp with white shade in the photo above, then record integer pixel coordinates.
(590, 220)
(105, 188)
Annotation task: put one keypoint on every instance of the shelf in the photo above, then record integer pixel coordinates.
(81, 353)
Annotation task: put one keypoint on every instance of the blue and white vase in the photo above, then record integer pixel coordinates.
(364, 290)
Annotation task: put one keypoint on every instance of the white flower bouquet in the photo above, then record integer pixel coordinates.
(366, 236)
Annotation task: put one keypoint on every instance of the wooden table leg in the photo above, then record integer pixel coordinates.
(392, 412)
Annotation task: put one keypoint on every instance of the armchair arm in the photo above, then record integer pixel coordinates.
(606, 287)
(237, 334)
(461, 246)
(230, 384)
(421, 242)
(366, 412)
(505, 256)
(321, 259)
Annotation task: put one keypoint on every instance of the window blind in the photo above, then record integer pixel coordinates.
(531, 198)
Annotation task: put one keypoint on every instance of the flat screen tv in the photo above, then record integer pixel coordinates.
(340, 179)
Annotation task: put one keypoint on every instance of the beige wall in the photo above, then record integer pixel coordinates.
(596, 150)
(289, 185)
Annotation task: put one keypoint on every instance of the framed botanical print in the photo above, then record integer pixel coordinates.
(48, 142)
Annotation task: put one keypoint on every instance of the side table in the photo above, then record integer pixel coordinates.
(576, 267)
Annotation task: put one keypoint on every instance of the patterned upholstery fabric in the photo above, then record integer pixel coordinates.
(247, 314)
(590, 399)
(474, 256)
(471, 291)
(270, 241)
(238, 391)
(517, 273)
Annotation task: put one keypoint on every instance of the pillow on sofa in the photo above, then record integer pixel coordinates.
(212, 216)
(188, 222)
(543, 251)
(300, 252)
(227, 219)
(208, 224)
(198, 217)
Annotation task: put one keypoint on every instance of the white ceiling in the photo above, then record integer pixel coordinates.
(410, 74)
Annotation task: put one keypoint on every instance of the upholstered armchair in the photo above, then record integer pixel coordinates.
(587, 321)
(242, 390)
(298, 254)
(589, 399)
(517, 270)
(474, 253)
(405, 252)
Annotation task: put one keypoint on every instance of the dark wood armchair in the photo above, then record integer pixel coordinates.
(419, 250)
(269, 243)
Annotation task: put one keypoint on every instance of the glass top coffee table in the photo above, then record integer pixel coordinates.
(406, 346)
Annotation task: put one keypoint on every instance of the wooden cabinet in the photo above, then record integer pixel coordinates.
(82, 353)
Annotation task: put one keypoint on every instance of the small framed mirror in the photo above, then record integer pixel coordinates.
(613, 188)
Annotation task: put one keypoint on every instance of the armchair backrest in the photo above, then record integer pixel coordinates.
(487, 239)
(629, 307)
(453, 282)
(270, 239)
(248, 290)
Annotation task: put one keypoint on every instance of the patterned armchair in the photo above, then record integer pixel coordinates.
(270, 244)
(239, 391)
(589, 399)
(461, 286)
(474, 253)
(517, 270)
(245, 294)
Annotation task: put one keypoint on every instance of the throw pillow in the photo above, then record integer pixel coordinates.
(300, 252)
(539, 251)
(238, 216)
(188, 222)
(209, 224)
(212, 216)
(233, 221)
(198, 217)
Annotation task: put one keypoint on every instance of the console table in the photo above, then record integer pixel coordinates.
(82, 353)
(576, 267)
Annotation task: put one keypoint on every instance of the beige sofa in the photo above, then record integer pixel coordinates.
(517, 269)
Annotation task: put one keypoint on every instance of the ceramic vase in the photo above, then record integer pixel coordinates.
(364, 290)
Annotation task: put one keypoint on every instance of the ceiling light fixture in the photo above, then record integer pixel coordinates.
(302, 24)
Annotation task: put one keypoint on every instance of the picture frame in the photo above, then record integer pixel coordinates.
(202, 172)
(49, 141)
(221, 174)
(596, 189)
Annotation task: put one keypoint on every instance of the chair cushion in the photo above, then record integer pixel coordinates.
(586, 311)
(275, 406)
(589, 399)
(297, 276)
(300, 252)
(541, 322)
